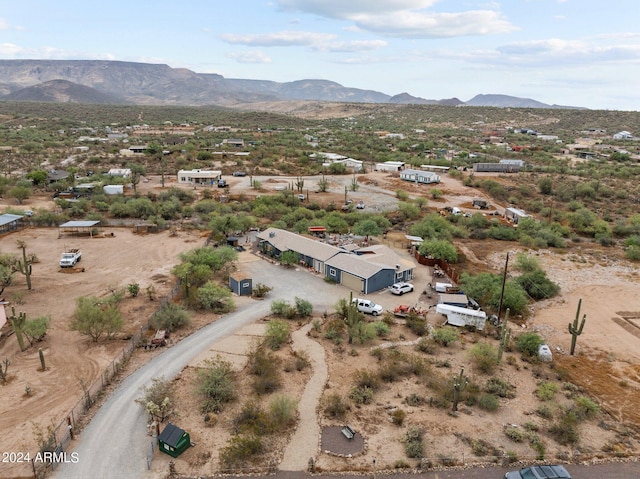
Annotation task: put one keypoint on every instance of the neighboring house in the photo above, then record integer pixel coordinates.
(199, 177)
(495, 168)
(508, 161)
(365, 270)
(419, 176)
(57, 175)
(234, 142)
(137, 149)
(121, 172)
(436, 168)
(622, 135)
(515, 214)
(391, 166)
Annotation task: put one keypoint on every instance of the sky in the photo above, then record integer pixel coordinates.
(582, 53)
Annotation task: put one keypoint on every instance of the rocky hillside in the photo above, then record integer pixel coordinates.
(98, 81)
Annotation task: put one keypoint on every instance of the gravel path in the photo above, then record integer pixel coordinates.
(304, 443)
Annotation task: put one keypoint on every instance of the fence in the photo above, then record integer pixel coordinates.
(449, 270)
(58, 438)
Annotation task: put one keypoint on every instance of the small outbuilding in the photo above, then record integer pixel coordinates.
(173, 440)
(240, 283)
(78, 228)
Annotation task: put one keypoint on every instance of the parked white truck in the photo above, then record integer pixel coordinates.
(70, 257)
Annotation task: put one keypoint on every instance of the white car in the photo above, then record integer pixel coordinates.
(367, 306)
(401, 288)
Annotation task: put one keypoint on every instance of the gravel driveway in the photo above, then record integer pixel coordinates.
(115, 443)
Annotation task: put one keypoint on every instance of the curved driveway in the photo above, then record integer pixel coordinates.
(115, 443)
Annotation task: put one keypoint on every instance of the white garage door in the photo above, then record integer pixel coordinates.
(353, 282)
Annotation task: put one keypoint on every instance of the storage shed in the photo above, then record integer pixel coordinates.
(240, 283)
(173, 440)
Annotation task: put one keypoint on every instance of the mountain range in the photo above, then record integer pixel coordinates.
(115, 82)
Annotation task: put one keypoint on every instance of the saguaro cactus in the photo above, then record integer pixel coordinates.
(42, 363)
(25, 264)
(3, 370)
(505, 336)
(460, 383)
(17, 322)
(576, 330)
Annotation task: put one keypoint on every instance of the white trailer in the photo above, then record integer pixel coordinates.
(458, 316)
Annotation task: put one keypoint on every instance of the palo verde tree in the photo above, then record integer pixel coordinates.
(137, 171)
(96, 317)
(7, 269)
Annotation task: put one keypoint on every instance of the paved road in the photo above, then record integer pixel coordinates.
(115, 443)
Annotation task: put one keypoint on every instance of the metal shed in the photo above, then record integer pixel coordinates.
(78, 228)
(173, 440)
(240, 283)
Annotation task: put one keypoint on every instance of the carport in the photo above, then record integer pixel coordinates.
(77, 228)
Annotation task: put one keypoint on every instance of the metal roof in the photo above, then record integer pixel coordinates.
(79, 224)
(9, 218)
(285, 240)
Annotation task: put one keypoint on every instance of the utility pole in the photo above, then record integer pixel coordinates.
(504, 280)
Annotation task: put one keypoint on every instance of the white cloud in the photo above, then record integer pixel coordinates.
(10, 50)
(4, 25)
(406, 18)
(249, 57)
(277, 39)
(345, 9)
(406, 24)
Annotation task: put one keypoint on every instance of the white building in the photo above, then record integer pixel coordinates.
(391, 166)
(419, 176)
(622, 135)
(199, 177)
(122, 172)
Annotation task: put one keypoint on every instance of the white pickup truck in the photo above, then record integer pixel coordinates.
(70, 257)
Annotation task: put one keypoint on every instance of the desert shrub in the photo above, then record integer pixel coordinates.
(414, 399)
(545, 412)
(170, 317)
(215, 297)
(251, 420)
(546, 390)
(158, 399)
(366, 378)
(565, 431)
(480, 448)
(484, 357)
(488, 402)
(260, 290)
(528, 344)
(381, 328)
(134, 289)
(276, 334)
(397, 417)
(335, 406)
(414, 442)
(264, 366)
(216, 385)
(515, 434)
(303, 307)
(444, 336)
(498, 387)
(335, 331)
(537, 444)
(401, 464)
(426, 345)
(361, 395)
(377, 353)
(417, 324)
(282, 412)
(586, 408)
(282, 308)
(239, 450)
(301, 360)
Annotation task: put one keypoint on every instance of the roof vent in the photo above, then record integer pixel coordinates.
(272, 234)
(397, 266)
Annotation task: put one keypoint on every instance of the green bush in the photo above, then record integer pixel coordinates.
(303, 307)
(586, 407)
(397, 417)
(276, 334)
(498, 387)
(361, 395)
(528, 344)
(444, 336)
(282, 412)
(170, 317)
(488, 402)
(282, 308)
(252, 420)
(515, 434)
(265, 367)
(335, 406)
(414, 443)
(546, 390)
(239, 450)
(216, 385)
(484, 357)
(565, 432)
(214, 297)
(417, 324)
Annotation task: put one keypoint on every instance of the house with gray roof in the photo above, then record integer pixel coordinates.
(363, 269)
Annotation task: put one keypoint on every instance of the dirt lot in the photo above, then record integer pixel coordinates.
(607, 364)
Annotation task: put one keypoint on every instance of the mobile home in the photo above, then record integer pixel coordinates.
(457, 316)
